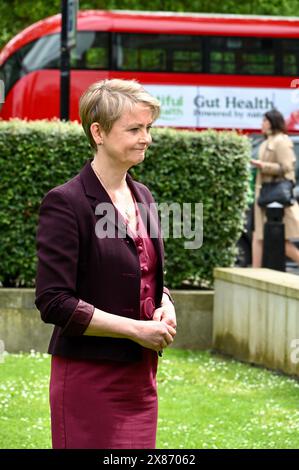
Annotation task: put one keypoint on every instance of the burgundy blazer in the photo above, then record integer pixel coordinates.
(77, 271)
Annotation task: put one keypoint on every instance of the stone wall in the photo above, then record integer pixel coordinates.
(21, 328)
(256, 317)
(194, 311)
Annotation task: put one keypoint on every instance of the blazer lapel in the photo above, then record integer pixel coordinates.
(149, 216)
(96, 194)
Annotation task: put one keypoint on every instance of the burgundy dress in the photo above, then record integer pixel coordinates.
(109, 404)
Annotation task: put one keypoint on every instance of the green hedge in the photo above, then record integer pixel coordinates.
(209, 167)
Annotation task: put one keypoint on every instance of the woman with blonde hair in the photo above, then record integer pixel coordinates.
(100, 281)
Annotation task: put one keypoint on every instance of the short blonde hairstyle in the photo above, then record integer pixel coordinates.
(105, 101)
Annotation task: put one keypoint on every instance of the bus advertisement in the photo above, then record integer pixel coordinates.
(208, 70)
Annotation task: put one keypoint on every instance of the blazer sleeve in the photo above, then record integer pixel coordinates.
(285, 159)
(166, 291)
(57, 251)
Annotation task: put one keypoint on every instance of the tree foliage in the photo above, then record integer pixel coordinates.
(16, 15)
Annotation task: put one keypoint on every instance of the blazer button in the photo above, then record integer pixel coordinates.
(148, 308)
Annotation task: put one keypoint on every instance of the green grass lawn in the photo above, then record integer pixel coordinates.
(205, 401)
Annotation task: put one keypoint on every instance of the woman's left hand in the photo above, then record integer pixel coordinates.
(166, 312)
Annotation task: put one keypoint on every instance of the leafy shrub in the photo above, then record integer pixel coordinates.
(180, 167)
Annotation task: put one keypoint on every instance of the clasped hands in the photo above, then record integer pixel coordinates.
(158, 333)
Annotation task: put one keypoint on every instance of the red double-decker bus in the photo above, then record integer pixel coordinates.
(220, 71)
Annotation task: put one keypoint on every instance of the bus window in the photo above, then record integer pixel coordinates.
(258, 64)
(223, 54)
(258, 56)
(144, 52)
(14, 68)
(290, 64)
(96, 58)
(187, 61)
(91, 51)
(186, 53)
(290, 55)
(158, 53)
(235, 55)
(45, 54)
(222, 62)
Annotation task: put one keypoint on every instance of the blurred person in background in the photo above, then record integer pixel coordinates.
(276, 161)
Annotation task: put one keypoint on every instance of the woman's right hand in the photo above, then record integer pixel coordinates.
(257, 163)
(155, 335)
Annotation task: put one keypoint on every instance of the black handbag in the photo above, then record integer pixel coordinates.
(276, 191)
